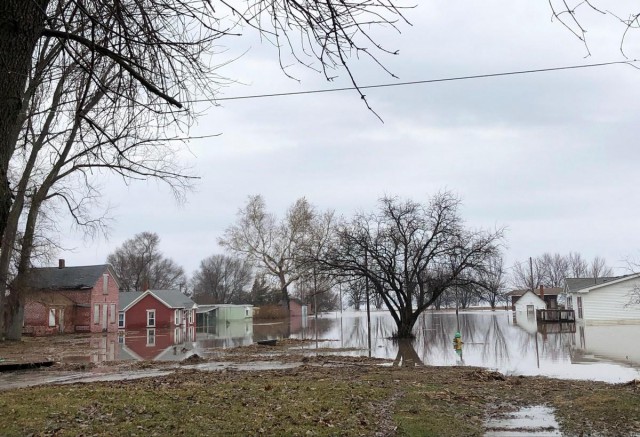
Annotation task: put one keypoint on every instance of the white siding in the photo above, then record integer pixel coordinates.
(609, 303)
(530, 299)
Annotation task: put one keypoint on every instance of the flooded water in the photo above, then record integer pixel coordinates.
(535, 421)
(513, 345)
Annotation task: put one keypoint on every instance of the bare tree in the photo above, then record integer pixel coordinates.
(578, 266)
(221, 279)
(599, 268)
(411, 253)
(553, 269)
(493, 280)
(355, 290)
(119, 79)
(572, 14)
(273, 245)
(526, 275)
(140, 264)
(162, 46)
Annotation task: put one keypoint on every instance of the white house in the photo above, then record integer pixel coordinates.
(603, 300)
(530, 302)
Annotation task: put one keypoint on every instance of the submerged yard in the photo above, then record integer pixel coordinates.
(323, 396)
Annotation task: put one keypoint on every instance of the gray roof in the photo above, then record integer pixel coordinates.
(174, 298)
(575, 284)
(67, 278)
(126, 297)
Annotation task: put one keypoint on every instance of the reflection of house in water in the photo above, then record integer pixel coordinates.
(528, 322)
(157, 344)
(606, 343)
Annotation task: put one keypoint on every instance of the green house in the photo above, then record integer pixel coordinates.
(207, 315)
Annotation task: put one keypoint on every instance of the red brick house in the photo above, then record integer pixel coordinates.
(156, 309)
(71, 299)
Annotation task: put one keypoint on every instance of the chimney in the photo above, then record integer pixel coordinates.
(541, 291)
(61, 263)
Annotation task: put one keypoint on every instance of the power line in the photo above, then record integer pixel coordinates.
(426, 81)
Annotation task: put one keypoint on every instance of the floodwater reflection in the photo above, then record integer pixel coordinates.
(495, 340)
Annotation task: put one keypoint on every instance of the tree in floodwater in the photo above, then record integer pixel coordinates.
(411, 253)
(275, 246)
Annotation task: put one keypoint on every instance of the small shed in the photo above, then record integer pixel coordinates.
(529, 303)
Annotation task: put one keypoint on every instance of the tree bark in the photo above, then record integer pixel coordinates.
(21, 24)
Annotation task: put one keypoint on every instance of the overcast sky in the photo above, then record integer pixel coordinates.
(553, 157)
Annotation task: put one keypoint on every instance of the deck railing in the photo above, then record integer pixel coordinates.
(555, 316)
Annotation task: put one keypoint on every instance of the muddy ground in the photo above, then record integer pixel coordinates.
(324, 395)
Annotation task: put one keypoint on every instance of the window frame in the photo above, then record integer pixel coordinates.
(149, 319)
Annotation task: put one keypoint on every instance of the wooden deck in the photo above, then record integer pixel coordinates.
(555, 316)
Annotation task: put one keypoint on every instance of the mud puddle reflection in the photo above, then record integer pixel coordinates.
(535, 421)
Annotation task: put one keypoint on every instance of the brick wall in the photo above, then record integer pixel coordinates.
(100, 299)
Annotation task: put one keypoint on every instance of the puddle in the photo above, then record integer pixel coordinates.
(30, 378)
(254, 365)
(535, 421)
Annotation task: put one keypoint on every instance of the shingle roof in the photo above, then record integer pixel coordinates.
(126, 297)
(174, 298)
(68, 278)
(575, 284)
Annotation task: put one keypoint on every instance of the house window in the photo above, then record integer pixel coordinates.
(105, 284)
(246, 312)
(151, 337)
(151, 319)
(569, 303)
(177, 317)
(191, 317)
(579, 301)
(52, 317)
(121, 338)
(96, 314)
(112, 316)
(121, 319)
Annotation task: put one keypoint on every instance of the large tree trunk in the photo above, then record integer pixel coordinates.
(407, 355)
(406, 324)
(21, 23)
(284, 291)
(15, 316)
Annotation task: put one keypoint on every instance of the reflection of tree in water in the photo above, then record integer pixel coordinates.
(495, 343)
(407, 355)
(318, 328)
(557, 347)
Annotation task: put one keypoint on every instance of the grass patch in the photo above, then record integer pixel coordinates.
(351, 400)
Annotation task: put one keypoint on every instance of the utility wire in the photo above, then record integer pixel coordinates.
(419, 82)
